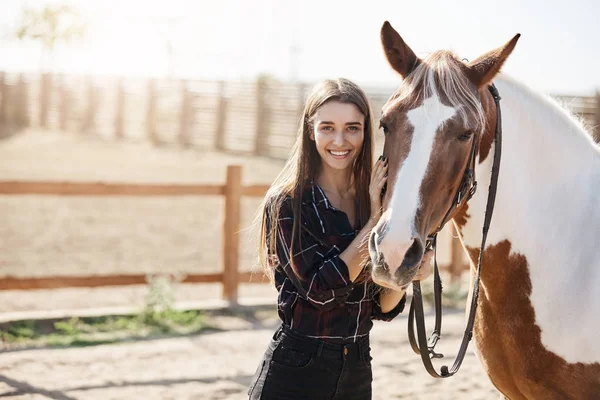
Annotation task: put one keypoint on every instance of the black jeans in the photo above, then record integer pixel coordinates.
(297, 367)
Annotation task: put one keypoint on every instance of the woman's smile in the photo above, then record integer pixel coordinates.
(339, 154)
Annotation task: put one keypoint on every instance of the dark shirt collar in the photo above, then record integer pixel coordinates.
(315, 195)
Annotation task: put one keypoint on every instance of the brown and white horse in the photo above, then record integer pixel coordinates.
(537, 324)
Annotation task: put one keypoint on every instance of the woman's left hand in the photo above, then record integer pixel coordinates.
(378, 180)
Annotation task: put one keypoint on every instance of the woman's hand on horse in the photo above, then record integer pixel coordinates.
(378, 180)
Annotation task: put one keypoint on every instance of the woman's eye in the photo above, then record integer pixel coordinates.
(353, 128)
(465, 136)
(327, 128)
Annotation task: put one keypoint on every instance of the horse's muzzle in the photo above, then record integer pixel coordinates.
(401, 275)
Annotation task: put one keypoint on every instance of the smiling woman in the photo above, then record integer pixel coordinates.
(314, 225)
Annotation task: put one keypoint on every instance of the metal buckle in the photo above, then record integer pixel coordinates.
(432, 342)
(429, 241)
(472, 190)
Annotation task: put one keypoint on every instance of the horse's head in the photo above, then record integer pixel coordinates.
(441, 113)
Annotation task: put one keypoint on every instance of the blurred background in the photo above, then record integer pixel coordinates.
(137, 137)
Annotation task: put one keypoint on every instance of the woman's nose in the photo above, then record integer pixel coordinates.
(338, 139)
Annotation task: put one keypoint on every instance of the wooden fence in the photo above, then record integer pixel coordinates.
(233, 190)
(252, 117)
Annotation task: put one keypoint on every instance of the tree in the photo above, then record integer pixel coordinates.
(49, 26)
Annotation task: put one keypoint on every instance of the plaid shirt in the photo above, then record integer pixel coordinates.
(323, 303)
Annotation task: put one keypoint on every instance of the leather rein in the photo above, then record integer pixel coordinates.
(420, 344)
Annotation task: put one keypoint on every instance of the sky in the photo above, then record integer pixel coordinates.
(308, 40)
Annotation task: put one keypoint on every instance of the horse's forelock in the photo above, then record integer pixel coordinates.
(442, 74)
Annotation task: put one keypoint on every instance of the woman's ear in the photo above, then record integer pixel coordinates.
(308, 126)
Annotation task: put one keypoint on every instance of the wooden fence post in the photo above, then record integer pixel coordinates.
(21, 103)
(456, 256)
(120, 111)
(231, 227)
(151, 112)
(4, 94)
(92, 106)
(221, 118)
(301, 95)
(185, 115)
(261, 135)
(596, 130)
(45, 89)
(63, 105)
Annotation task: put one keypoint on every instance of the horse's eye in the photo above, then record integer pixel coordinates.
(385, 129)
(465, 136)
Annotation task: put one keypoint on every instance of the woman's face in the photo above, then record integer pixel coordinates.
(338, 132)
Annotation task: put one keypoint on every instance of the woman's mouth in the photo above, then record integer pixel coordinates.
(339, 154)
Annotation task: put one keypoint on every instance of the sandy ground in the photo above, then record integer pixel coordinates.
(220, 366)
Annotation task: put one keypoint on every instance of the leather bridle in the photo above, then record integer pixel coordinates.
(467, 189)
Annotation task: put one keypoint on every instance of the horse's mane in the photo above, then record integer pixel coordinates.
(539, 105)
(442, 74)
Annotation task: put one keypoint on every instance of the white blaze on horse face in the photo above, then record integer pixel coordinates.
(406, 198)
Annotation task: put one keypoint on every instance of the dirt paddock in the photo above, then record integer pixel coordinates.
(220, 366)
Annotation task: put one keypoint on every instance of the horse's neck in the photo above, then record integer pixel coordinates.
(548, 208)
(549, 186)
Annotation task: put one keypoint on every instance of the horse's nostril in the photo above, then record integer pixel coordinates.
(373, 250)
(380, 231)
(414, 254)
(374, 240)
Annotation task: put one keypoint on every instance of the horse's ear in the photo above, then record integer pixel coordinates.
(482, 70)
(399, 55)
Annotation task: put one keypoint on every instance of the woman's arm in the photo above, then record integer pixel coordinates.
(315, 269)
(356, 255)
(389, 299)
(390, 302)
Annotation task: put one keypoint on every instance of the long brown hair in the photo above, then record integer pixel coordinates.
(304, 165)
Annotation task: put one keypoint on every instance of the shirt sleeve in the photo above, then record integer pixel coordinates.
(390, 315)
(322, 277)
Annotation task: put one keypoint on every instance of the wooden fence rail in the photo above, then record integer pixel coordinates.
(233, 190)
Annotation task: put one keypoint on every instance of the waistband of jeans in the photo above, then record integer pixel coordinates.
(320, 345)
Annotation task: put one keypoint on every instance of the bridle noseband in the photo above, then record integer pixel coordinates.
(466, 190)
